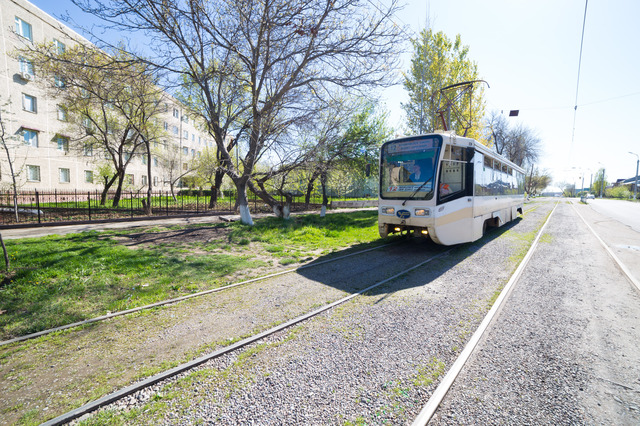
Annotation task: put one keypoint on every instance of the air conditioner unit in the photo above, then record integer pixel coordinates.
(26, 76)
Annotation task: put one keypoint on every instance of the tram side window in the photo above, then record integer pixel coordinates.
(520, 178)
(479, 171)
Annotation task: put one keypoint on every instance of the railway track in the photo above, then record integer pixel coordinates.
(115, 396)
(183, 298)
(436, 399)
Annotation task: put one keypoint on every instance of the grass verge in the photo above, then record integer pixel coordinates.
(58, 280)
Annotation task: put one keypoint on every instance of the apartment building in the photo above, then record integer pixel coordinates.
(35, 124)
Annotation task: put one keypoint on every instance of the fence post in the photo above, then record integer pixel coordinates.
(89, 201)
(197, 201)
(38, 205)
(131, 202)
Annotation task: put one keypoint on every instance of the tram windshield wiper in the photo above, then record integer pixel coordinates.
(416, 191)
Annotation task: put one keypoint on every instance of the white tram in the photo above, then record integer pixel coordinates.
(448, 187)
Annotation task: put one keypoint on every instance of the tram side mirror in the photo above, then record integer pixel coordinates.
(367, 170)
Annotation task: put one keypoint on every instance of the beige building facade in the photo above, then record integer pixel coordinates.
(37, 134)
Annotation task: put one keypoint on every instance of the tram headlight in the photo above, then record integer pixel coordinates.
(388, 210)
(421, 212)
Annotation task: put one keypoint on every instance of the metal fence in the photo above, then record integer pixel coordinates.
(36, 207)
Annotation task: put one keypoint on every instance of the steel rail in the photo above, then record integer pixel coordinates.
(181, 298)
(117, 395)
(438, 395)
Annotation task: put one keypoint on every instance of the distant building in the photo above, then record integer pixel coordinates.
(37, 125)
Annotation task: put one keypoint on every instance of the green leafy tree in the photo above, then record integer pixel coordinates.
(599, 183)
(96, 92)
(439, 62)
(536, 181)
(347, 136)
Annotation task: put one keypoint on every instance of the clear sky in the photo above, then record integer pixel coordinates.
(528, 52)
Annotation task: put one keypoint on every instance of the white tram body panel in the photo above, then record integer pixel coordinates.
(457, 188)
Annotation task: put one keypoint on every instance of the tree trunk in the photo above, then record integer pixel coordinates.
(217, 184)
(6, 255)
(147, 208)
(118, 194)
(242, 203)
(13, 178)
(264, 195)
(107, 185)
(307, 196)
(325, 199)
(213, 199)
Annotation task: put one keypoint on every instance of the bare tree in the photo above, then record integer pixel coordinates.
(519, 144)
(497, 130)
(9, 144)
(277, 54)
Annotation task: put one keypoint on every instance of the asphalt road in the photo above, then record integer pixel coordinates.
(624, 212)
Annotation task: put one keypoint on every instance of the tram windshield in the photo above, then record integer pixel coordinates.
(408, 168)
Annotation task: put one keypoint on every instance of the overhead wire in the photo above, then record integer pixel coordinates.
(575, 108)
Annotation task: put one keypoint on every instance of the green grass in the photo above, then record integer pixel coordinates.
(59, 280)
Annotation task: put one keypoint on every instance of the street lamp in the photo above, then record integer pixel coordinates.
(635, 186)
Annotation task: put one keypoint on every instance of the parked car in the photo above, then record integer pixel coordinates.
(590, 196)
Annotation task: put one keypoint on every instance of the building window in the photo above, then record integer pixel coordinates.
(26, 68)
(87, 124)
(185, 167)
(65, 175)
(199, 140)
(23, 29)
(61, 113)
(63, 144)
(185, 150)
(59, 82)
(155, 161)
(60, 47)
(29, 103)
(155, 181)
(130, 179)
(88, 150)
(144, 180)
(88, 176)
(33, 173)
(176, 113)
(127, 156)
(193, 152)
(198, 154)
(166, 126)
(185, 118)
(193, 137)
(30, 137)
(185, 134)
(144, 159)
(175, 130)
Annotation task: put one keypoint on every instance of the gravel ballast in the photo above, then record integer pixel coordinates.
(564, 349)
(372, 361)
